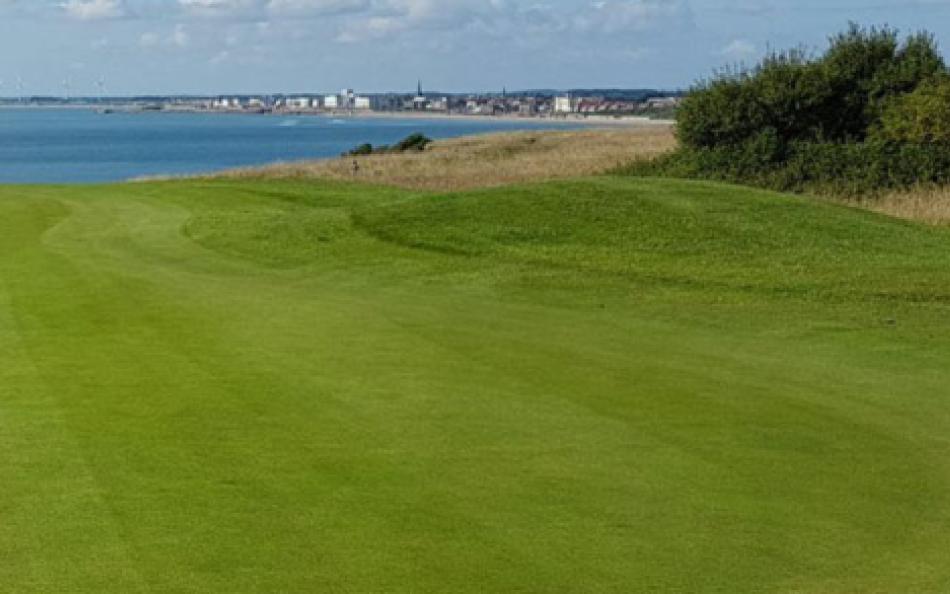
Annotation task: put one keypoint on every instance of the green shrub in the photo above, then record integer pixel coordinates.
(838, 168)
(922, 116)
(363, 149)
(917, 62)
(722, 112)
(872, 113)
(413, 142)
(838, 96)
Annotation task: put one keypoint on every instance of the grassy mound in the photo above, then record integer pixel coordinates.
(605, 385)
(669, 233)
(488, 160)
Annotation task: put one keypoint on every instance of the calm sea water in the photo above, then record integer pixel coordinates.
(82, 146)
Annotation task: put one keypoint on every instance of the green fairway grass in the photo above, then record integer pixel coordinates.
(602, 385)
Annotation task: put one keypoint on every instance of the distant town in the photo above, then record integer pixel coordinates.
(648, 103)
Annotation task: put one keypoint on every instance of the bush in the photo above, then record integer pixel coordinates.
(871, 114)
(413, 142)
(919, 117)
(838, 168)
(838, 97)
(363, 149)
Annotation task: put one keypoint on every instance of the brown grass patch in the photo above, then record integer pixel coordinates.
(488, 160)
(929, 205)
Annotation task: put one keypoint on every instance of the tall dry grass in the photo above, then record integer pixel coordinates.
(488, 160)
(929, 205)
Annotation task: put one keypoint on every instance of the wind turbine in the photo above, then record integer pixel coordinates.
(66, 86)
(19, 88)
(101, 87)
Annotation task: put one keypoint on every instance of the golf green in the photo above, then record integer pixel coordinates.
(603, 385)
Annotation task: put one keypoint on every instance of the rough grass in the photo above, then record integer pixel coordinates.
(928, 205)
(605, 385)
(488, 160)
(504, 159)
(496, 160)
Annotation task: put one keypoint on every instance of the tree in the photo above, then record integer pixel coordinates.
(793, 97)
(854, 60)
(920, 117)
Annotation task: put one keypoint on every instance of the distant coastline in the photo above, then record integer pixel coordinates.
(89, 147)
(572, 119)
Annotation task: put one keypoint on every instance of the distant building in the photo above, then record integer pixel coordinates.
(479, 107)
(419, 102)
(527, 107)
(386, 102)
(564, 104)
(662, 102)
(361, 103)
(331, 102)
(299, 103)
(441, 104)
(226, 103)
(347, 99)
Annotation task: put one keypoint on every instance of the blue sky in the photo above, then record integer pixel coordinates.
(229, 46)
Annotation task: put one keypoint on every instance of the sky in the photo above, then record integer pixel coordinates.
(127, 47)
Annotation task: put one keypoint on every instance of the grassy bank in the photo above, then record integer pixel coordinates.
(497, 160)
(929, 205)
(604, 385)
(488, 160)
(864, 121)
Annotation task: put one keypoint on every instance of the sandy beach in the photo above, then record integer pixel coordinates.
(597, 120)
(572, 119)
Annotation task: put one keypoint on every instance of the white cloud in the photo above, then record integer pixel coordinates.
(149, 39)
(275, 9)
(372, 28)
(223, 8)
(220, 57)
(89, 10)
(390, 17)
(177, 38)
(618, 16)
(505, 18)
(306, 8)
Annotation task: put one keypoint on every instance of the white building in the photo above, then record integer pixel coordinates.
(564, 104)
(298, 103)
(331, 102)
(662, 102)
(347, 99)
(226, 103)
(361, 103)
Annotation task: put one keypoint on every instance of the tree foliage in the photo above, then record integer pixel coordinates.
(922, 116)
(839, 96)
(871, 113)
(413, 142)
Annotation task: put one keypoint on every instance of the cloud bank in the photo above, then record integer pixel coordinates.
(285, 45)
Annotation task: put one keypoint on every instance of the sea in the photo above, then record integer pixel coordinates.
(86, 146)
